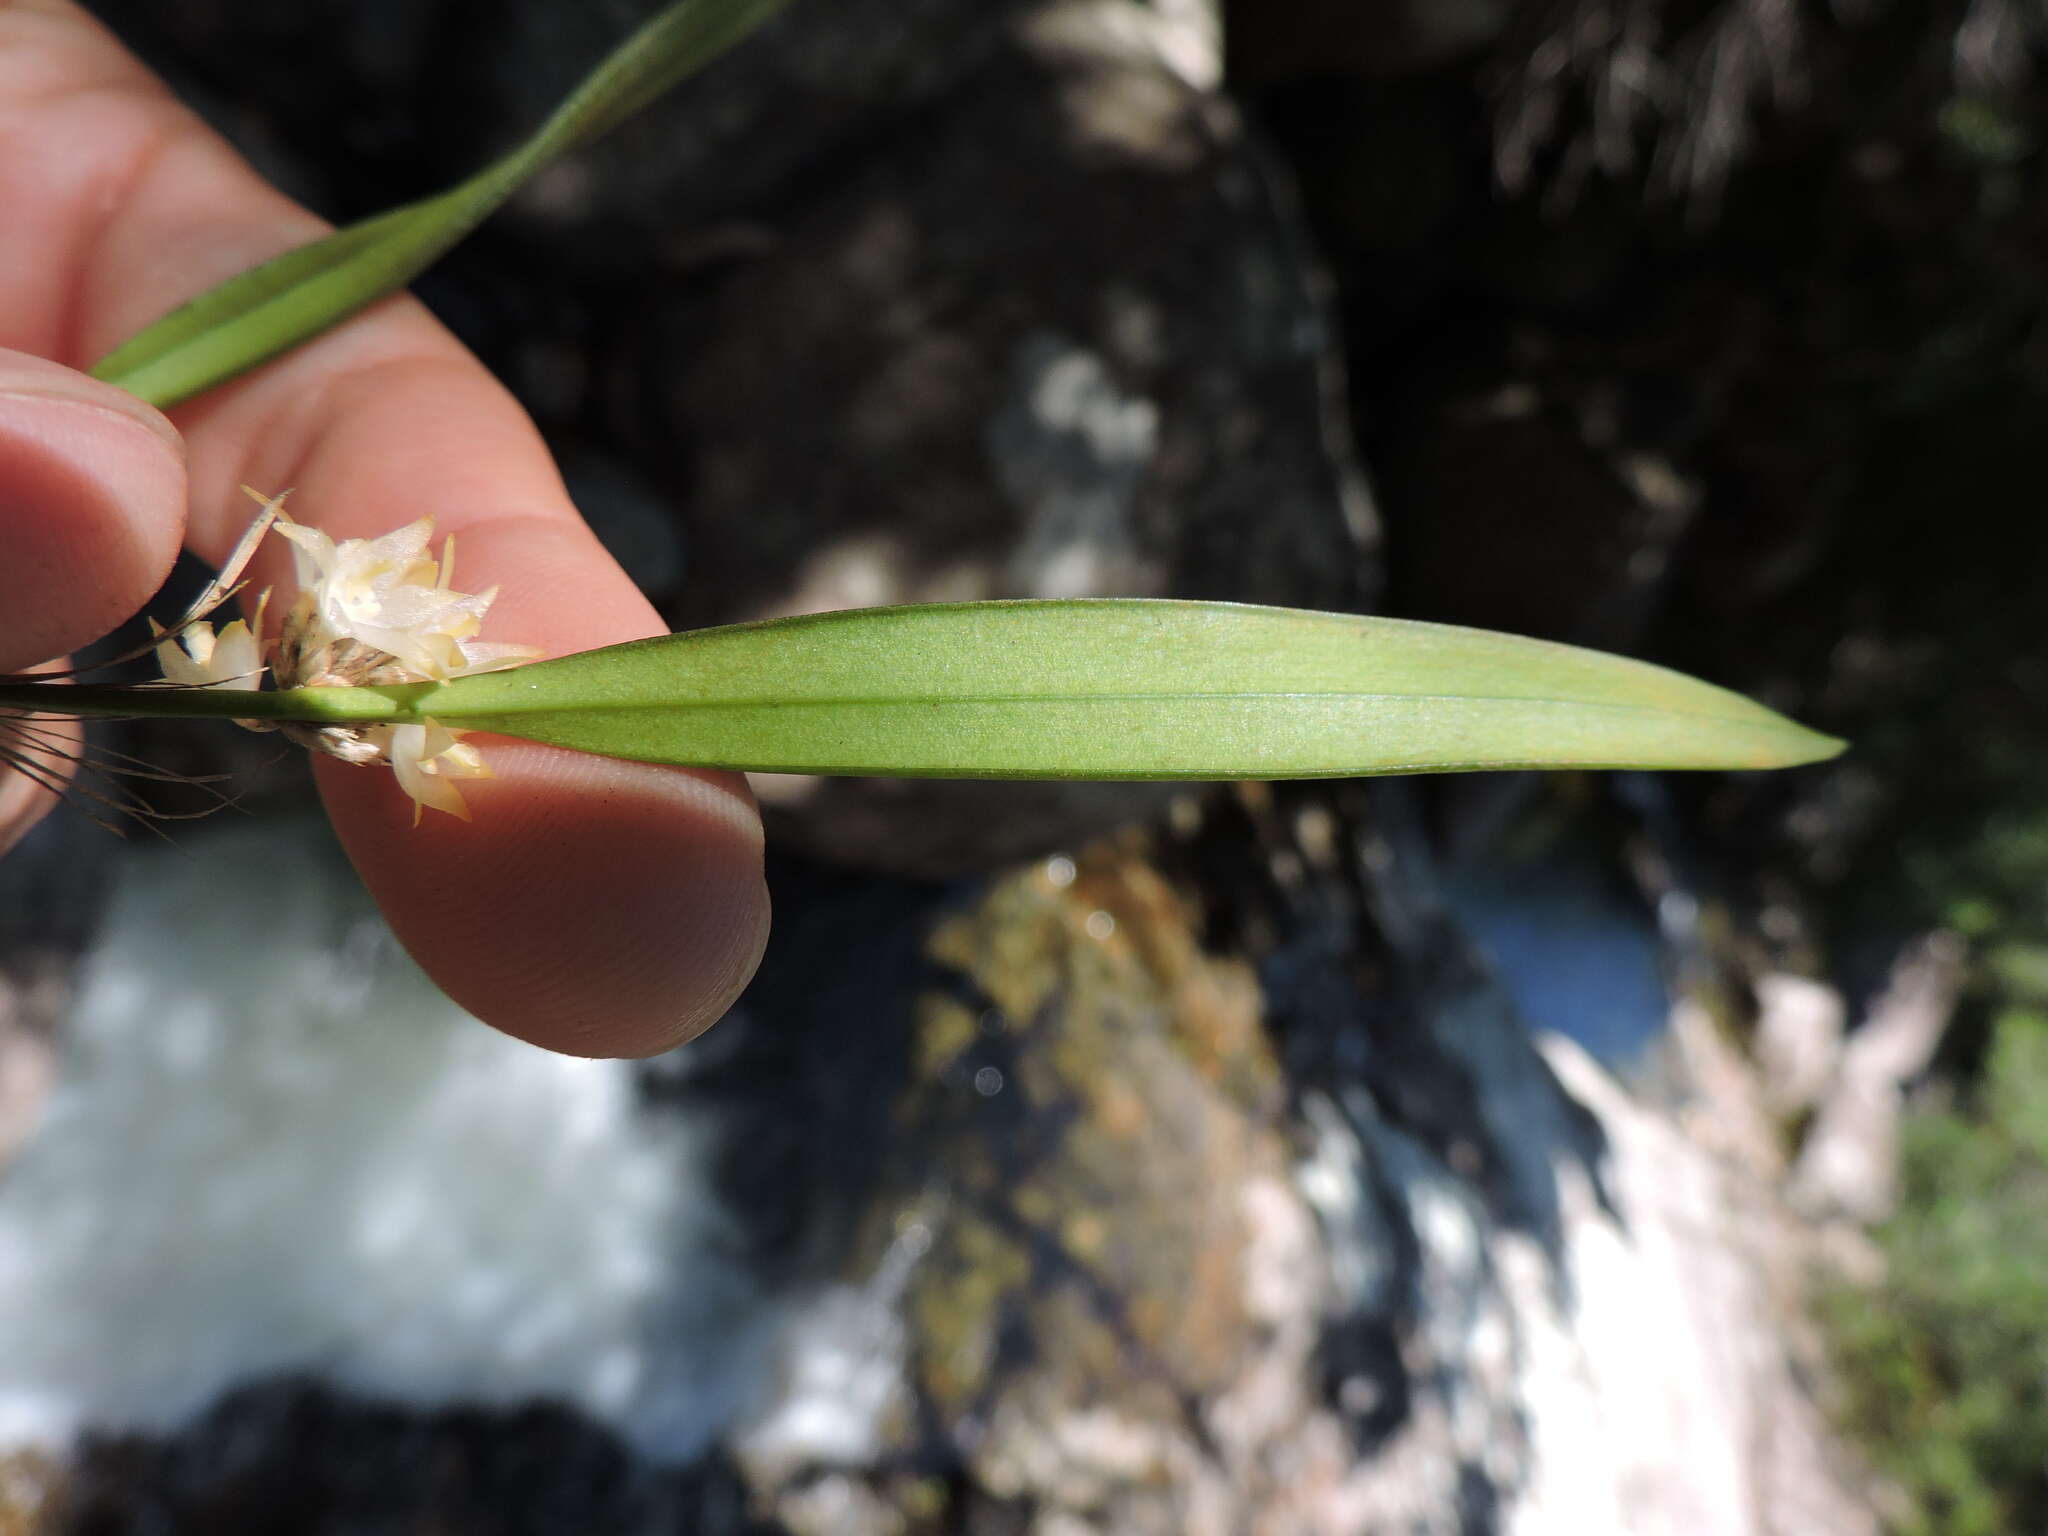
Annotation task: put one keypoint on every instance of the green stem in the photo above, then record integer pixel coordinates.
(315, 706)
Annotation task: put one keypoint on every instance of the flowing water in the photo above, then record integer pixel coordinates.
(274, 1147)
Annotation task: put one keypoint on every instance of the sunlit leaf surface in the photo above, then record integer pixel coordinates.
(1120, 689)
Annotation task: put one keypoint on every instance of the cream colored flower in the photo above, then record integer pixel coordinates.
(427, 758)
(196, 657)
(369, 611)
(390, 595)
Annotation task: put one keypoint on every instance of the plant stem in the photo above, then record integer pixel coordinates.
(318, 706)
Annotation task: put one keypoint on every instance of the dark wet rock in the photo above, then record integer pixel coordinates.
(292, 1456)
(801, 1077)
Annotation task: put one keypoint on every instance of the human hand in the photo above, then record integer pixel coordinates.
(593, 906)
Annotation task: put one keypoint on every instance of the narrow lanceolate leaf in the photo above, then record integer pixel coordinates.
(1118, 689)
(288, 300)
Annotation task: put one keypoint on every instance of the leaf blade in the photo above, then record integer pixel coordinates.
(1120, 689)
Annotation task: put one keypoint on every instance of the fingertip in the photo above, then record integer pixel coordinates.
(592, 906)
(92, 507)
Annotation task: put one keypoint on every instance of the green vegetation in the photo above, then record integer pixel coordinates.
(1945, 1363)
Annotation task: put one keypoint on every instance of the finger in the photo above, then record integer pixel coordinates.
(585, 865)
(131, 207)
(92, 501)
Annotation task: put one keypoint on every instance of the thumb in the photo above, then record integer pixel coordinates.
(92, 507)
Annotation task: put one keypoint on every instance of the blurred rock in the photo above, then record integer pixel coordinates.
(1798, 1046)
(1117, 1277)
(31, 1485)
(1273, 41)
(635, 525)
(1058, 347)
(1848, 1164)
(811, 93)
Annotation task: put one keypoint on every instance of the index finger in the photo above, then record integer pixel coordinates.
(593, 906)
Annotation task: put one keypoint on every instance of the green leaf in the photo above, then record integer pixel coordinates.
(1112, 688)
(294, 297)
(1117, 689)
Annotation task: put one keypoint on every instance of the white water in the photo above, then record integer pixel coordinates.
(275, 1147)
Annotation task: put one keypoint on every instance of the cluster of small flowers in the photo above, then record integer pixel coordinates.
(368, 612)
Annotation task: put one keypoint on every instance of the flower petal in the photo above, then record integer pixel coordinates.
(196, 657)
(237, 660)
(415, 768)
(312, 552)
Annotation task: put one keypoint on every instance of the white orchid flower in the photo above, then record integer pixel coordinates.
(369, 611)
(196, 657)
(426, 759)
(389, 594)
